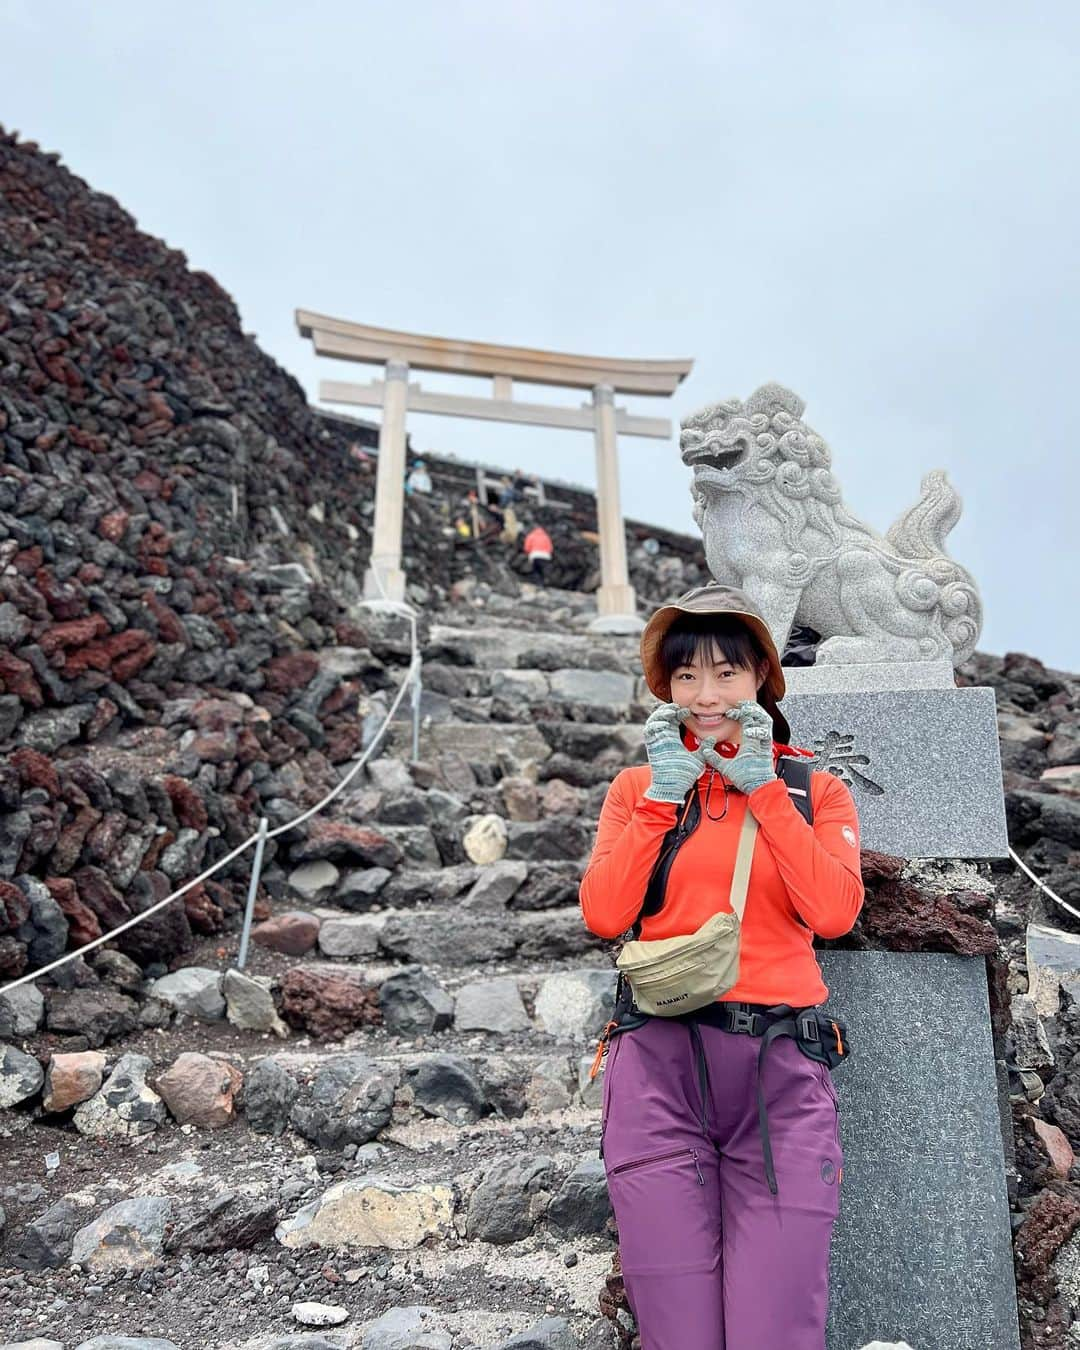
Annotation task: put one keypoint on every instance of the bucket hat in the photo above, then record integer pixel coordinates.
(716, 598)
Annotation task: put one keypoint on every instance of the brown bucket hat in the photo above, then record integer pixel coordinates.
(716, 598)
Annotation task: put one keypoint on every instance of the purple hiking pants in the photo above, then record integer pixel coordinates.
(711, 1260)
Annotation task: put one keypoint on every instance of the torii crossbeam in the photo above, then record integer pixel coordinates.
(604, 376)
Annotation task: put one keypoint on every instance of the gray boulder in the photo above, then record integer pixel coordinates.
(21, 1076)
(269, 1094)
(195, 990)
(574, 1005)
(513, 1194)
(22, 1011)
(412, 1328)
(550, 1333)
(45, 932)
(45, 1242)
(124, 1107)
(491, 1005)
(130, 1235)
(497, 884)
(446, 1086)
(349, 1102)
(581, 1205)
(414, 1004)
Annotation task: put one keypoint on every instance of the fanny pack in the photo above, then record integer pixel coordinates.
(670, 976)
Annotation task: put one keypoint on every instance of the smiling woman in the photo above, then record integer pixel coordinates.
(724, 1165)
(712, 662)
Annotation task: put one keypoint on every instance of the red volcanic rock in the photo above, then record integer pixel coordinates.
(35, 770)
(83, 924)
(900, 918)
(1048, 1226)
(12, 958)
(292, 671)
(113, 526)
(104, 712)
(72, 837)
(65, 599)
(14, 907)
(102, 897)
(70, 1079)
(170, 629)
(200, 1091)
(187, 805)
(337, 839)
(326, 1004)
(879, 866)
(1055, 1145)
(294, 932)
(17, 677)
(121, 655)
(203, 914)
(28, 560)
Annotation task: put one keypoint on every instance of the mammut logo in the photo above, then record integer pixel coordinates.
(677, 999)
(828, 1172)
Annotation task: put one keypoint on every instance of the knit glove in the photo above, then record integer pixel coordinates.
(752, 765)
(675, 769)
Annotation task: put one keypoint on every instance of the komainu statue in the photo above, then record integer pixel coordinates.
(774, 524)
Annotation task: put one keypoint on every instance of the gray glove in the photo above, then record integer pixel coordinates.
(675, 769)
(752, 765)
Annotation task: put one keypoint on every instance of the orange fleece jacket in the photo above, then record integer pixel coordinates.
(803, 880)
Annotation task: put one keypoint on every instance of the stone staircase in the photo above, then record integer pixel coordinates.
(391, 1109)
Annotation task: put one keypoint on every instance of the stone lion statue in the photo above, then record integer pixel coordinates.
(774, 523)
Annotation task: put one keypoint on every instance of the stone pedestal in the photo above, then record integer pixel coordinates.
(920, 756)
(922, 1249)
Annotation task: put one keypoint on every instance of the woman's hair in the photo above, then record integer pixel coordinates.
(710, 636)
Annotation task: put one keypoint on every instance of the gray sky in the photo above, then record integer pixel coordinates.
(875, 204)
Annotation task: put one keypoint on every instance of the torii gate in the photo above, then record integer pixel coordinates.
(503, 365)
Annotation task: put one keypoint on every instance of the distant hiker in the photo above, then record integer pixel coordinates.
(508, 493)
(361, 456)
(418, 480)
(511, 527)
(538, 550)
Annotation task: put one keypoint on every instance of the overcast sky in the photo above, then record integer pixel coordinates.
(875, 204)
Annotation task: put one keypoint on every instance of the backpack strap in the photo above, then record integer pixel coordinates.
(795, 773)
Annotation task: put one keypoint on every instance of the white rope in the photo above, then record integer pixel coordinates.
(1042, 885)
(281, 829)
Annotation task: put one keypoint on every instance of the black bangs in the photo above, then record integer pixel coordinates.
(692, 635)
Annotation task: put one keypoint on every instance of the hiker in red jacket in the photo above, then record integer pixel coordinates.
(538, 550)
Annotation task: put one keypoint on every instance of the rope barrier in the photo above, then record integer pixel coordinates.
(1042, 885)
(411, 681)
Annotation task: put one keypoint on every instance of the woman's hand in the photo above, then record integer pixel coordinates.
(752, 765)
(675, 769)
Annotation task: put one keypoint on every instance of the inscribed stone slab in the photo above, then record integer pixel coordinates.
(922, 1249)
(923, 766)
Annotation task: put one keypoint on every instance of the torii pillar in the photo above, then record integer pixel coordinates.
(402, 353)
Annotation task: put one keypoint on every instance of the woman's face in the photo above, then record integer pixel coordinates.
(709, 686)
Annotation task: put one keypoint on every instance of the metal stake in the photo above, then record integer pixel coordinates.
(253, 886)
(417, 684)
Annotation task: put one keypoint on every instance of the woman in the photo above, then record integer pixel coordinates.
(723, 1163)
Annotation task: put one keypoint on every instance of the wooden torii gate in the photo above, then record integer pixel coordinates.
(398, 352)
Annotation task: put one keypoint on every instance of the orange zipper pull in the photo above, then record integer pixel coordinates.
(839, 1042)
(605, 1037)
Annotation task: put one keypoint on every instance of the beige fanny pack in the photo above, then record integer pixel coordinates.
(681, 974)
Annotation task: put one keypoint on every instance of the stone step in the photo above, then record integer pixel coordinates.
(497, 648)
(439, 937)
